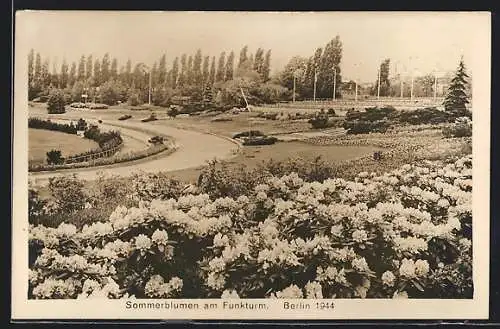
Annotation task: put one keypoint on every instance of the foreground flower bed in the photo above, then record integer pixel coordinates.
(406, 233)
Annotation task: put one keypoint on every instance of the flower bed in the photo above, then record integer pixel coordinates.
(406, 233)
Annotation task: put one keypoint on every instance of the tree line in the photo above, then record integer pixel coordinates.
(188, 75)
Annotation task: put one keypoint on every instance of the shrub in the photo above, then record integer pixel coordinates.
(56, 103)
(81, 124)
(172, 112)
(36, 123)
(68, 193)
(331, 112)
(259, 140)
(365, 127)
(373, 119)
(221, 119)
(372, 237)
(248, 133)
(152, 117)
(125, 117)
(428, 115)
(461, 128)
(156, 140)
(54, 157)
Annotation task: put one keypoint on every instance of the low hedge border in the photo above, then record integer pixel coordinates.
(154, 150)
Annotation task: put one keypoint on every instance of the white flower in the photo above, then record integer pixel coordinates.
(360, 264)
(220, 240)
(160, 237)
(216, 281)
(217, 264)
(400, 295)
(359, 235)
(388, 278)
(314, 290)
(407, 268)
(66, 230)
(142, 242)
(261, 196)
(291, 292)
(229, 294)
(443, 203)
(421, 267)
(336, 229)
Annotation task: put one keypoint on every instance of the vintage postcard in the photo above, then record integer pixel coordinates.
(251, 165)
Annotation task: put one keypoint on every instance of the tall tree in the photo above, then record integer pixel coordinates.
(221, 68)
(64, 74)
(31, 67)
(311, 70)
(329, 68)
(54, 77)
(97, 73)
(72, 74)
(89, 67)
(206, 70)
(211, 78)
(258, 62)
(37, 74)
(45, 74)
(113, 73)
(266, 69)
(189, 70)
(162, 70)
(175, 72)
(456, 99)
(81, 69)
(197, 70)
(243, 56)
(154, 75)
(230, 67)
(105, 68)
(183, 75)
(385, 84)
(295, 67)
(128, 72)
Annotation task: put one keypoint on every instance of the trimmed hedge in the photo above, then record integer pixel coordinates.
(37, 123)
(248, 133)
(259, 140)
(424, 116)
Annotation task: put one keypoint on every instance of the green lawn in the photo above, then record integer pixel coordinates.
(41, 141)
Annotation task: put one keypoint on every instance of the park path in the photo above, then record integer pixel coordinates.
(193, 149)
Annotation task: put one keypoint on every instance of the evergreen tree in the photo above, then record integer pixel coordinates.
(230, 67)
(45, 79)
(56, 102)
(113, 73)
(206, 70)
(211, 78)
(175, 72)
(266, 69)
(221, 68)
(89, 67)
(456, 99)
(154, 75)
(81, 69)
(258, 62)
(128, 72)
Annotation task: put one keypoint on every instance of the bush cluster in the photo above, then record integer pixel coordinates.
(37, 123)
(373, 119)
(461, 128)
(259, 140)
(248, 133)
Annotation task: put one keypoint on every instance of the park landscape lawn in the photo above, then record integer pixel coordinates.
(41, 141)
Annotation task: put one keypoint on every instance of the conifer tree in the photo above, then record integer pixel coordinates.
(206, 70)
(175, 72)
(230, 67)
(89, 67)
(456, 100)
(266, 69)
(212, 72)
(162, 70)
(221, 68)
(81, 69)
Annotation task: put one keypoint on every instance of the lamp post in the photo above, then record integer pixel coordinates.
(378, 85)
(315, 80)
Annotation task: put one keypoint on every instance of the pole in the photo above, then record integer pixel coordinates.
(315, 78)
(334, 81)
(149, 93)
(378, 85)
(356, 97)
(411, 93)
(401, 85)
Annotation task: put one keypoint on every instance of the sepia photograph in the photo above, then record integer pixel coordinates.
(251, 164)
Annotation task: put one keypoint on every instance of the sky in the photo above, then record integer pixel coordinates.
(434, 41)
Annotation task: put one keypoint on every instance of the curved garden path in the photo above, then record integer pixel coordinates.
(193, 149)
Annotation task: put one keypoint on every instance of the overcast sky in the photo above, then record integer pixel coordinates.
(434, 40)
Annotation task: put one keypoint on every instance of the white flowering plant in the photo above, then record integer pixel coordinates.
(405, 233)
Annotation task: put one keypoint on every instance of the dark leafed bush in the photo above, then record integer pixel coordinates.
(125, 117)
(68, 193)
(152, 117)
(54, 157)
(248, 133)
(259, 140)
(428, 115)
(56, 103)
(156, 140)
(320, 120)
(331, 112)
(36, 123)
(364, 127)
(268, 116)
(461, 128)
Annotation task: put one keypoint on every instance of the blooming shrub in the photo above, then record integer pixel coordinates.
(406, 233)
(461, 128)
